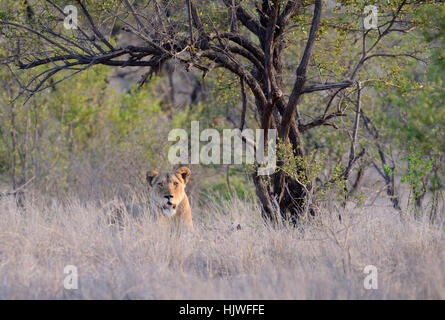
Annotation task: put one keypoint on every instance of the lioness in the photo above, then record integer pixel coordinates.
(168, 200)
(168, 195)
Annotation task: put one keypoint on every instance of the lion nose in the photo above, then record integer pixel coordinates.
(169, 197)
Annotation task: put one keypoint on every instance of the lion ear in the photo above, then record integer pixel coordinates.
(184, 173)
(150, 176)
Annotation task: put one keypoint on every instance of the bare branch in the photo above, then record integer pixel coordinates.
(93, 26)
(246, 19)
(326, 86)
(301, 72)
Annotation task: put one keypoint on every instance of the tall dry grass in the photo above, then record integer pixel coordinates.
(321, 259)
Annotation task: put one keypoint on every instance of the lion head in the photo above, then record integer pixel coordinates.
(168, 189)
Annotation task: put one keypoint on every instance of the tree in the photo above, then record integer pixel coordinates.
(264, 43)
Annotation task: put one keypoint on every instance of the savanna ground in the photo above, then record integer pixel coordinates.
(320, 259)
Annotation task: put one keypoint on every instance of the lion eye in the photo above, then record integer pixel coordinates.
(160, 184)
(176, 184)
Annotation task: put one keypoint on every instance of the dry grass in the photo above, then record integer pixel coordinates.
(319, 260)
